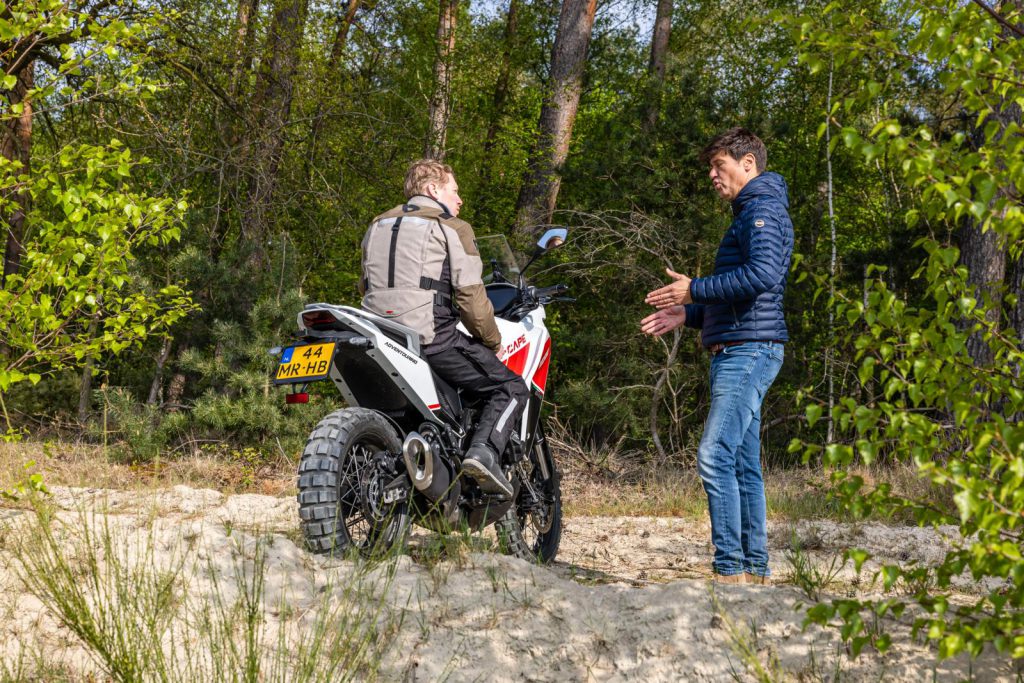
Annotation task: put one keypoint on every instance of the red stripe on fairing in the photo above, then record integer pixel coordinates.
(517, 361)
(436, 406)
(540, 377)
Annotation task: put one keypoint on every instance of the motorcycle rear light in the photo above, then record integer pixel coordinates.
(300, 397)
(318, 318)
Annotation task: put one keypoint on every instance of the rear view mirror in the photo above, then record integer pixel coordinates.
(552, 238)
(549, 240)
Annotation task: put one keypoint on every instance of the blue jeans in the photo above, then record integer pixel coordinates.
(729, 457)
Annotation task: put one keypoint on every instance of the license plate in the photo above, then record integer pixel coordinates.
(305, 363)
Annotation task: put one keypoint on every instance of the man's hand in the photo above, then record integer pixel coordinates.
(665, 320)
(674, 294)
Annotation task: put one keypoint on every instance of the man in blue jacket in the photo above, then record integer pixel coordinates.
(738, 309)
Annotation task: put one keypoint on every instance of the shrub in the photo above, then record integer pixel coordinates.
(939, 378)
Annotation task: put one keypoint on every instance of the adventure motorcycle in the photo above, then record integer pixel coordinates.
(394, 456)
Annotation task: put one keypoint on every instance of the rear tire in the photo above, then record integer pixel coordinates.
(534, 536)
(341, 485)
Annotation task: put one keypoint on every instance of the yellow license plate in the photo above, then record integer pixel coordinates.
(305, 363)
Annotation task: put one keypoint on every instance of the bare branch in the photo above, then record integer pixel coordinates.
(1016, 30)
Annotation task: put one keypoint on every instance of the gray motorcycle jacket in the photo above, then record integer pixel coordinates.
(417, 261)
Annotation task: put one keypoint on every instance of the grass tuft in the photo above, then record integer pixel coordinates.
(144, 607)
(811, 577)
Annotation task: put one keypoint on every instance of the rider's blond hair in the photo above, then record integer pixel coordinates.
(423, 172)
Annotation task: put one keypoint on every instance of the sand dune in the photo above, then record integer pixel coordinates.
(629, 599)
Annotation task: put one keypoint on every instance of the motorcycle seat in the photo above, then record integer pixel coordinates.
(399, 333)
(396, 332)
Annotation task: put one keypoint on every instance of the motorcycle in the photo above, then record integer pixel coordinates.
(393, 457)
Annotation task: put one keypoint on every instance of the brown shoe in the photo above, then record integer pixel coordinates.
(728, 578)
(758, 579)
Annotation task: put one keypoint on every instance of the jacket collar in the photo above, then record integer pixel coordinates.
(425, 202)
(768, 184)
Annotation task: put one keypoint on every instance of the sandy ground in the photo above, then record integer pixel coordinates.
(628, 599)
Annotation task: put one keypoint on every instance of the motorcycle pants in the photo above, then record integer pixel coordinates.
(472, 367)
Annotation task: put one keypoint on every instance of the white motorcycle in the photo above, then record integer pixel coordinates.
(394, 455)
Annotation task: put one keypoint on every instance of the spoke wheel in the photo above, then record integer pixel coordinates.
(345, 467)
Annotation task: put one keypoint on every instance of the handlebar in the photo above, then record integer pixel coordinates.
(548, 292)
(531, 297)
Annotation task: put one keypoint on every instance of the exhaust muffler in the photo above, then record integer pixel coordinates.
(427, 472)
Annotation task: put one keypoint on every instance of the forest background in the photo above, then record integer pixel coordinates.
(177, 179)
(273, 132)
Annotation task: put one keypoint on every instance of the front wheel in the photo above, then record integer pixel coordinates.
(348, 461)
(532, 527)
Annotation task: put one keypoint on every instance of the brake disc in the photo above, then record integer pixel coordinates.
(541, 519)
(372, 480)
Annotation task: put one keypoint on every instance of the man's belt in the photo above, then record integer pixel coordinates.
(717, 348)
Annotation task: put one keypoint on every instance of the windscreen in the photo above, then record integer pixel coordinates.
(497, 255)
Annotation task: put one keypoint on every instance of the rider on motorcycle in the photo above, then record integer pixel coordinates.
(421, 268)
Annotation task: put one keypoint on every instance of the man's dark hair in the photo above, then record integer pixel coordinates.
(737, 143)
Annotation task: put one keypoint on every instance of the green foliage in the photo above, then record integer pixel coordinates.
(197, 127)
(370, 110)
(50, 401)
(79, 38)
(143, 429)
(965, 173)
(31, 484)
(959, 423)
(77, 294)
(184, 87)
(920, 396)
(238, 401)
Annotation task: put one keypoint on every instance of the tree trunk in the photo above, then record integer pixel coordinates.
(16, 145)
(85, 386)
(1015, 263)
(984, 254)
(1015, 285)
(85, 391)
(656, 399)
(537, 198)
(333, 72)
(247, 9)
(656, 66)
(440, 102)
(175, 391)
(985, 258)
(341, 37)
(161, 361)
(234, 127)
(830, 350)
(272, 104)
(176, 386)
(501, 87)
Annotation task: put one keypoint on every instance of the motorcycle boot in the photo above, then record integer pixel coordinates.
(482, 464)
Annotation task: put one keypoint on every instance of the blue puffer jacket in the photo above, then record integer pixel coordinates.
(742, 299)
